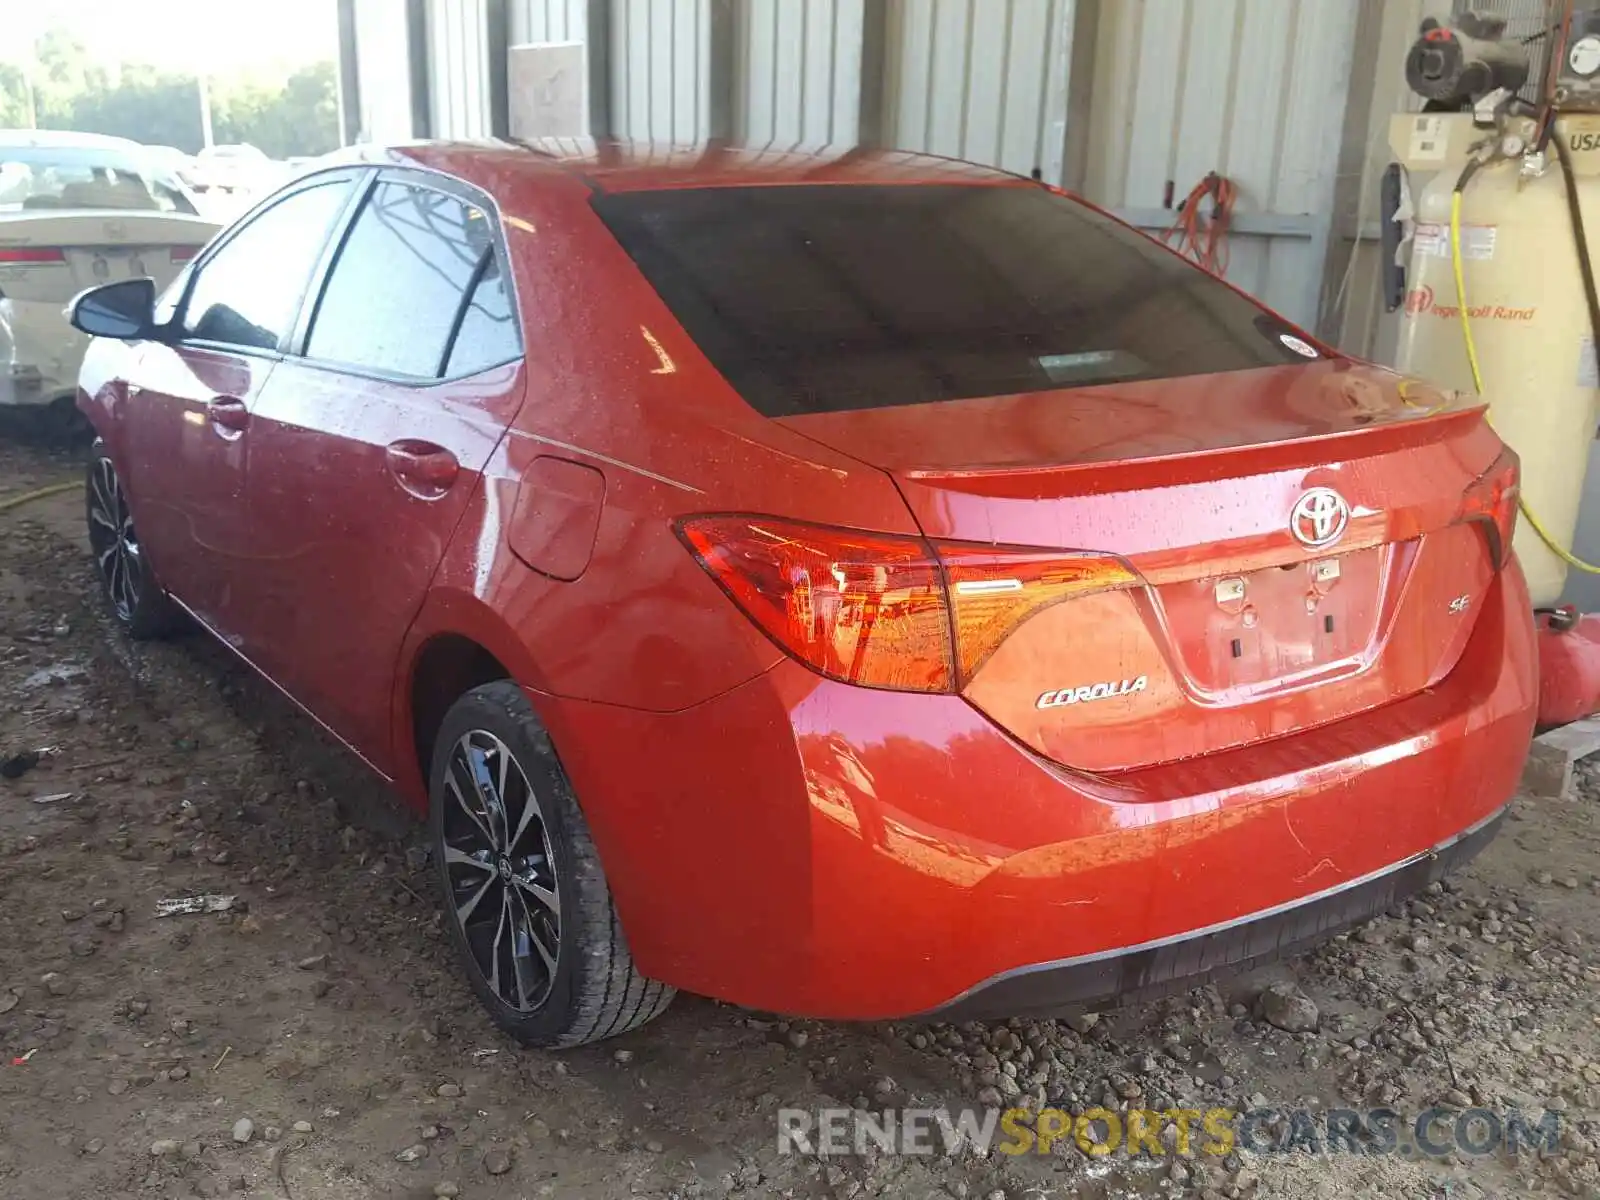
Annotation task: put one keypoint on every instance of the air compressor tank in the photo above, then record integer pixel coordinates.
(1525, 300)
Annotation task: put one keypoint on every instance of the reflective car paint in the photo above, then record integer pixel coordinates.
(345, 535)
(187, 469)
(877, 854)
(787, 841)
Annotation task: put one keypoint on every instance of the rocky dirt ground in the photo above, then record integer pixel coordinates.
(314, 1040)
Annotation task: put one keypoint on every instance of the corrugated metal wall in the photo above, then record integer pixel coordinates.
(458, 68)
(797, 72)
(660, 78)
(1253, 89)
(980, 79)
(549, 21)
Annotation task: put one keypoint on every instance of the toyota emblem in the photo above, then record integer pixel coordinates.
(1319, 517)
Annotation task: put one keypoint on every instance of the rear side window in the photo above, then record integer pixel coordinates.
(488, 334)
(820, 298)
(402, 283)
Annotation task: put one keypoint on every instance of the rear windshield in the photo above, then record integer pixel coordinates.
(33, 177)
(820, 298)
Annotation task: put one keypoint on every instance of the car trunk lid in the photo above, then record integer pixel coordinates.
(1231, 629)
(51, 255)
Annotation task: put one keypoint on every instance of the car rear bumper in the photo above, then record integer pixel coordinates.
(1178, 963)
(809, 847)
(39, 353)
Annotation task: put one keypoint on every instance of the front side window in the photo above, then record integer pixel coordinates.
(248, 292)
(413, 259)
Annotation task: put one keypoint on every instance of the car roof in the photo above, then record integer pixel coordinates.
(614, 165)
(65, 138)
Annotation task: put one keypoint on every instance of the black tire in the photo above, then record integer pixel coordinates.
(134, 595)
(492, 759)
(65, 423)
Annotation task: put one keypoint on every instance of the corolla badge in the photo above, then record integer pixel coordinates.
(1319, 517)
(1098, 691)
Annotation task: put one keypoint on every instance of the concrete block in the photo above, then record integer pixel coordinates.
(1548, 772)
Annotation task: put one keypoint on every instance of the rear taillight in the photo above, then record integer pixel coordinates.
(1492, 502)
(992, 592)
(862, 607)
(884, 610)
(31, 254)
(182, 254)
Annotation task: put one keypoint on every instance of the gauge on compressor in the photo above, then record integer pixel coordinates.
(1584, 56)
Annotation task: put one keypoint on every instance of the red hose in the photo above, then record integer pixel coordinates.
(1203, 235)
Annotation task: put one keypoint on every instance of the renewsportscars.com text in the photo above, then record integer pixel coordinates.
(1183, 1132)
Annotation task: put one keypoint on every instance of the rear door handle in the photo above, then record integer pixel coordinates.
(422, 468)
(228, 413)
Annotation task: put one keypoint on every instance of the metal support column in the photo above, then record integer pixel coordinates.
(497, 41)
(1350, 103)
(1080, 93)
(720, 73)
(597, 39)
(417, 62)
(873, 78)
(349, 76)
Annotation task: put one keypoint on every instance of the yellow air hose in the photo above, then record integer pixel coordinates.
(9, 502)
(1560, 551)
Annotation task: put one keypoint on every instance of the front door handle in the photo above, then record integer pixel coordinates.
(229, 415)
(422, 468)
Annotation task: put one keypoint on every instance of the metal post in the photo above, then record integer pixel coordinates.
(205, 109)
(349, 76)
(1348, 97)
(417, 51)
(874, 63)
(497, 37)
(720, 71)
(1080, 93)
(597, 40)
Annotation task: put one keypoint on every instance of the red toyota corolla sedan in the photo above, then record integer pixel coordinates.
(861, 587)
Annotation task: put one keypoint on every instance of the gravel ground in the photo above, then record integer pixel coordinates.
(314, 1041)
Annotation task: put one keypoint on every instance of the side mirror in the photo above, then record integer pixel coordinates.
(125, 309)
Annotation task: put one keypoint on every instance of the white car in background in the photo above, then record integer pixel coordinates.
(236, 169)
(77, 210)
(169, 160)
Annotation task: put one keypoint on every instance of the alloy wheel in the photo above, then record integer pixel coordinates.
(114, 540)
(502, 879)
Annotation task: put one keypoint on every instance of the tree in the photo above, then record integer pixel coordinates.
(299, 117)
(13, 97)
(146, 105)
(65, 69)
(63, 72)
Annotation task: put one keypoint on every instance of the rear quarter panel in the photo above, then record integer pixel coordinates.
(616, 387)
